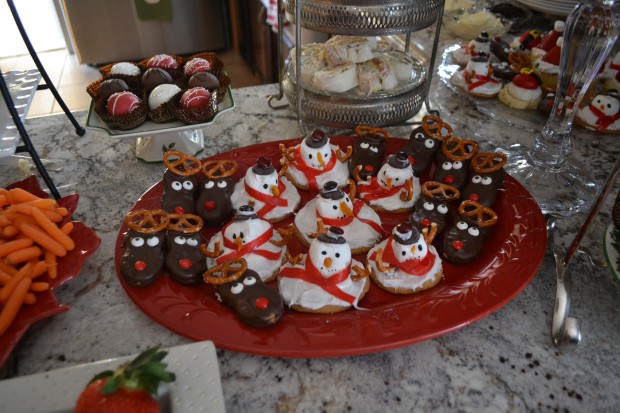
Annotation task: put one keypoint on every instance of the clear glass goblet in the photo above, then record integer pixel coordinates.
(559, 184)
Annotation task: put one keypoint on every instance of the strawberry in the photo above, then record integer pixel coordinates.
(128, 389)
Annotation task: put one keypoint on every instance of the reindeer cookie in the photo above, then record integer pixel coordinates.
(425, 141)
(368, 150)
(452, 162)
(185, 264)
(485, 178)
(271, 194)
(180, 182)
(435, 206)
(144, 244)
(214, 204)
(255, 303)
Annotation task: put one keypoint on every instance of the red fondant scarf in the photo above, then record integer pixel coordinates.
(310, 172)
(374, 191)
(270, 201)
(416, 267)
(250, 247)
(312, 275)
(603, 121)
(342, 222)
(481, 80)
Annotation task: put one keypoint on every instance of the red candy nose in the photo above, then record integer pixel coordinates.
(369, 168)
(185, 263)
(425, 223)
(457, 245)
(179, 210)
(210, 205)
(261, 303)
(139, 266)
(473, 197)
(449, 179)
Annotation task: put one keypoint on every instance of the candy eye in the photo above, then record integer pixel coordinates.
(420, 248)
(209, 184)
(152, 242)
(337, 255)
(179, 240)
(249, 281)
(457, 165)
(137, 241)
(476, 179)
(429, 143)
(446, 166)
(188, 185)
(487, 180)
(428, 206)
(323, 252)
(364, 145)
(309, 156)
(192, 242)
(176, 185)
(335, 206)
(222, 184)
(236, 288)
(374, 149)
(326, 155)
(473, 231)
(442, 209)
(265, 186)
(462, 225)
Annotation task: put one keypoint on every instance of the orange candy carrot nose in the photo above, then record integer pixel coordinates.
(275, 191)
(388, 182)
(320, 159)
(239, 243)
(327, 262)
(345, 209)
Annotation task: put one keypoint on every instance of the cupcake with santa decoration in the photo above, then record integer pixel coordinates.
(548, 67)
(523, 92)
(548, 41)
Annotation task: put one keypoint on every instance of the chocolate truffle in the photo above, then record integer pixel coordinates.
(154, 77)
(162, 94)
(205, 80)
(109, 87)
(125, 68)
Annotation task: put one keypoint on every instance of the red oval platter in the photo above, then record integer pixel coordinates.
(69, 266)
(513, 252)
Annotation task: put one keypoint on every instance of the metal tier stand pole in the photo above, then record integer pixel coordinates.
(432, 61)
(28, 147)
(48, 83)
(280, 62)
(298, 64)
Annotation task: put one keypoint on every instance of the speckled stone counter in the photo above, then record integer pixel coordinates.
(505, 362)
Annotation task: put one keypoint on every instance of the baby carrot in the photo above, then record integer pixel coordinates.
(39, 268)
(67, 228)
(19, 195)
(10, 231)
(23, 255)
(43, 203)
(9, 269)
(52, 264)
(7, 290)
(30, 298)
(42, 239)
(39, 286)
(13, 304)
(11, 246)
(53, 230)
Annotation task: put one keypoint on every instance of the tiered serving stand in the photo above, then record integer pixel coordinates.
(357, 18)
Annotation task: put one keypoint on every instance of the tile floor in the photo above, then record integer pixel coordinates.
(71, 78)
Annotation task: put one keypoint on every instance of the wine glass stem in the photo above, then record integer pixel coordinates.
(589, 35)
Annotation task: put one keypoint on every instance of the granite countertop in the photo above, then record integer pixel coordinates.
(503, 362)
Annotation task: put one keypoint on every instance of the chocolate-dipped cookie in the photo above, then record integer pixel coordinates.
(464, 241)
(368, 151)
(485, 178)
(453, 161)
(214, 204)
(435, 205)
(180, 182)
(144, 246)
(425, 141)
(185, 264)
(255, 303)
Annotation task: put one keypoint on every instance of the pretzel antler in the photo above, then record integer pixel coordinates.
(488, 162)
(408, 194)
(429, 235)
(457, 149)
(293, 260)
(283, 169)
(440, 191)
(217, 250)
(219, 169)
(363, 130)
(485, 217)
(285, 233)
(287, 152)
(147, 221)
(228, 272)
(174, 158)
(352, 188)
(360, 272)
(185, 223)
(435, 127)
(379, 262)
(320, 229)
(343, 156)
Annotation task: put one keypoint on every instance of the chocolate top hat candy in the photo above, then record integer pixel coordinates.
(334, 235)
(244, 213)
(316, 139)
(480, 58)
(399, 160)
(483, 37)
(405, 233)
(330, 191)
(263, 166)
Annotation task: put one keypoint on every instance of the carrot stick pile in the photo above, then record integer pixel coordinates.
(31, 241)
